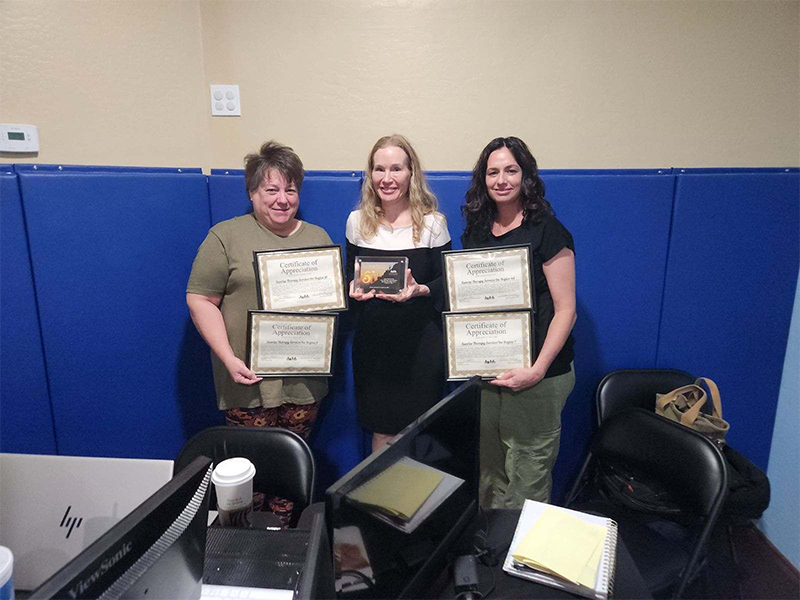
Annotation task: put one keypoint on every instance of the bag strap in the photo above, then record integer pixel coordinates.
(690, 416)
(716, 401)
(665, 399)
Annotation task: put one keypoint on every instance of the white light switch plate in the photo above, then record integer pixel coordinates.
(225, 101)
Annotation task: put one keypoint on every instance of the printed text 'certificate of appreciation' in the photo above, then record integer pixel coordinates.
(487, 343)
(290, 344)
(301, 279)
(488, 279)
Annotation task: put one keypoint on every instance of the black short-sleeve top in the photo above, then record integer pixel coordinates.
(547, 238)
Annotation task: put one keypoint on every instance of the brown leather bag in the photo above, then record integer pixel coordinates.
(683, 405)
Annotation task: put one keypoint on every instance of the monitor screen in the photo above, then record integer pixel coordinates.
(157, 551)
(395, 515)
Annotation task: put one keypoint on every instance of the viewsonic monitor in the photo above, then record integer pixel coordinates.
(157, 551)
(394, 517)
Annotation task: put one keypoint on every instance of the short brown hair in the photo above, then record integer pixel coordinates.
(272, 155)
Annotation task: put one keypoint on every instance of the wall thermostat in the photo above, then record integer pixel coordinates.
(18, 138)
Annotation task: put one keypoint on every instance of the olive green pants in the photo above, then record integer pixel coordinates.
(520, 435)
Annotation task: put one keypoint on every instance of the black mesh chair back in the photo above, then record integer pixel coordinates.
(283, 461)
(631, 388)
(685, 464)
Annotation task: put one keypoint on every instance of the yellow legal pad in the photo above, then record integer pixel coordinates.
(399, 491)
(564, 546)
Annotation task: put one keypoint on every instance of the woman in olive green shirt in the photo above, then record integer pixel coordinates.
(222, 287)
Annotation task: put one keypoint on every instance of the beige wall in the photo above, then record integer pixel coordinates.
(106, 82)
(594, 84)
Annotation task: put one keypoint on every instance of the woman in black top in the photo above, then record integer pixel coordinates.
(521, 408)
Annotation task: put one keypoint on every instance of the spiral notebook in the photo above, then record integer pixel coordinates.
(564, 549)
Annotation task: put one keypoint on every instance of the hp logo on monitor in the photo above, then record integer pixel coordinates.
(70, 522)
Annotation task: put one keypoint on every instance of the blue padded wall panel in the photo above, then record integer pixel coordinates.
(327, 201)
(228, 197)
(46, 168)
(450, 191)
(620, 224)
(111, 256)
(26, 419)
(733, 170)
(731, 278)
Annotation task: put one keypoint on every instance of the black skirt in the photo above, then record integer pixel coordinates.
(398, 363)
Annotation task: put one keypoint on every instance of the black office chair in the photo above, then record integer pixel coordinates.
(283, 461)
(630, 388)
(666, 548)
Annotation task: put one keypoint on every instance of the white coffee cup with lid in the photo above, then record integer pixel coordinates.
(6, 574)
(233, 480)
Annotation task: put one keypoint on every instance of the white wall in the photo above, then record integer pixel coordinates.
(781, 521)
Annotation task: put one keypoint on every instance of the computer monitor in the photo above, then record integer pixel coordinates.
(316, 580)
(394, 517)
(157, 551)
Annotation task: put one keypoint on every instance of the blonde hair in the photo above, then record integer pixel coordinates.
(421, 199)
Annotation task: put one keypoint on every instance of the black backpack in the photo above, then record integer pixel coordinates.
(748, 489)
(623, 485)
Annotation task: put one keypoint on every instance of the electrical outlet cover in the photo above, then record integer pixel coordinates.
(225, 101)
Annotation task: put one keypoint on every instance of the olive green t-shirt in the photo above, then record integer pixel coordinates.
(224, 267)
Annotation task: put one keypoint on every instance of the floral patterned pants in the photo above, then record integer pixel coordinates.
(298, 418)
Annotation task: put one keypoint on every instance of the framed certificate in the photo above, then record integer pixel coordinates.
(290, 344)
(300, 279)
(489, 278)
(487, 343)
(384, 274)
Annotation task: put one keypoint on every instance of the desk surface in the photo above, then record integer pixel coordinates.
(628, 582)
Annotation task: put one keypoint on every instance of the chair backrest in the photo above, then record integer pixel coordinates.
(689, 466)
(283, 461)
(632, 388)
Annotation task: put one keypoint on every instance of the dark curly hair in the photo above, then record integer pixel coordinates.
(480, 210)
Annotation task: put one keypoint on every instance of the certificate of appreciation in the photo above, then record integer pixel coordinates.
(290, 344)
(300, 279)
(489, 278)
(487, 343)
